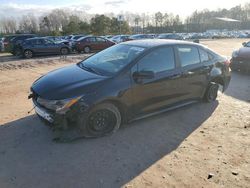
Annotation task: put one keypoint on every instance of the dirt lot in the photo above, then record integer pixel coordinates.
(175, 149)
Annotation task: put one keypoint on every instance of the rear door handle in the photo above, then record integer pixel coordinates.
(206, 68)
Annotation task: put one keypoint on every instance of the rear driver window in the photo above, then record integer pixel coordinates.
(159, 60)
(204, 55)
(188, 55)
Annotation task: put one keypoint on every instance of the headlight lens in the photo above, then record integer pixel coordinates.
(58, 105)
(235, 53)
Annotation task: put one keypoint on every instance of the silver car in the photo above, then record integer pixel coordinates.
(1, 45)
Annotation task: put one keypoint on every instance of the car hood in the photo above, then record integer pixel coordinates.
(244, 53)
(67, 82)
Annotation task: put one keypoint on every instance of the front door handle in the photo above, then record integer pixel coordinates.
(188, 73)
(175, 76)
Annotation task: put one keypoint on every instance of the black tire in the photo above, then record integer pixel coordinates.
(87, 49)
(103, 119)
(28, 54)
(211, 92)
(64, 51)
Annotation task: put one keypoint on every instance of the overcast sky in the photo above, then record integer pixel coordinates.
(183, 8)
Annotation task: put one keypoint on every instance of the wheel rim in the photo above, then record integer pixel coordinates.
(102, 121)
(64, 51)
(28, 54)
(87, 49)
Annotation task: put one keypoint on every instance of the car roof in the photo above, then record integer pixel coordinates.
(150, 43)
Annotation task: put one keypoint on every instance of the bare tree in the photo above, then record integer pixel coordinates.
(28, 24)
(9, 25)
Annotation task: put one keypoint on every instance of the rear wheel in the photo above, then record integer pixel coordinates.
(211, 92)
(87, 49)
(102, 120)
(64, 51)
(28, 54)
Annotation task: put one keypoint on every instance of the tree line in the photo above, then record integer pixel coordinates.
(60, 22)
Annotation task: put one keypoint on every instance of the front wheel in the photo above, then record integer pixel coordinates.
(64, 51)
(87, 49)
(28, 54)
(211, 92)
(102, 120)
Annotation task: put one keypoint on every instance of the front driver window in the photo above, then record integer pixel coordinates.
(159, 60)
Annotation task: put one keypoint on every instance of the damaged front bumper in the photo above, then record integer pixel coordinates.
(44, 114)
(64, 125)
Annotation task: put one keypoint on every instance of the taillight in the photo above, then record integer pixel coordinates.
(227, 62)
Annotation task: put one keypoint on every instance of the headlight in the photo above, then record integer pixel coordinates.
(235, 53)
(58, 105)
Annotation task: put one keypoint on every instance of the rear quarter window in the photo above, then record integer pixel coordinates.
(204, 55)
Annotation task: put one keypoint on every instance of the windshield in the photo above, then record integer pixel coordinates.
(81, 38)
(112, 60)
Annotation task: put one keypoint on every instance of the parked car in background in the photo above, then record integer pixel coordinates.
(58, 40)
(139, 37)
(1, 45)
(73, 38)
(14, 43)
(92, 43)
(120, 38)
(107, 36)
(241, 59)
(246, 44)
(6, 41)
(170, 36)
(42, 46)
(128, 81)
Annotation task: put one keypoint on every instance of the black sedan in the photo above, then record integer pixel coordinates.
(128, 81)
(241, 59)
(42, 46)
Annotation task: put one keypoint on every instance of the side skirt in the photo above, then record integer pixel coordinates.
(164, 110)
